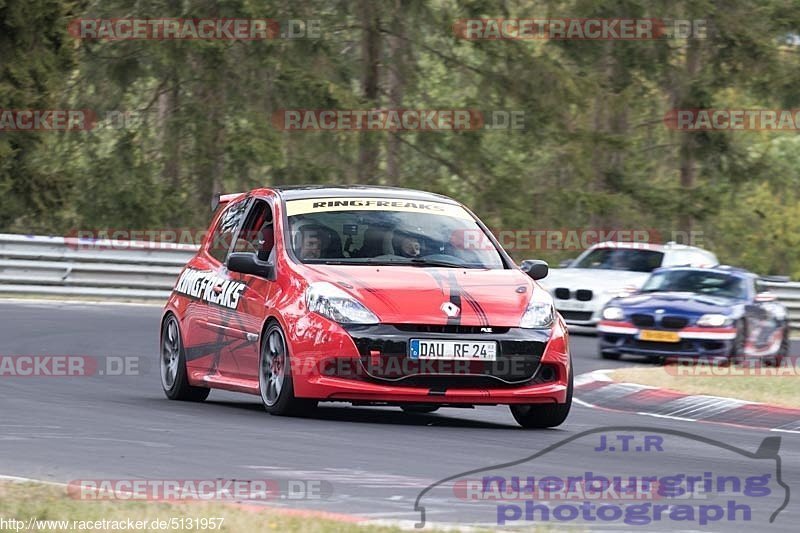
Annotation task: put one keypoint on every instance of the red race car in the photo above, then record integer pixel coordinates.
(367, 295)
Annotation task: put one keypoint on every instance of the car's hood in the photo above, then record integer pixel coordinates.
(683, 303)
(596, 279)
(415, 295)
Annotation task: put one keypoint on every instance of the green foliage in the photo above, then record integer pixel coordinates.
(594, 151)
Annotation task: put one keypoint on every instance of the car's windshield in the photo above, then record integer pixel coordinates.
(387, 231)
(697, 281)
(621, 259)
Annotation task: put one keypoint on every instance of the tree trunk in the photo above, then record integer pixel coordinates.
(370, 53)
(398, 50)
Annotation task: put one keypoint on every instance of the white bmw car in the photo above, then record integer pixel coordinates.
(610, 269)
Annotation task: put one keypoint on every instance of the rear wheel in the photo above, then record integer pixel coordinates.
(543, 415)
(419, 408)
(172, 362)
(783, 351)
(275, 376)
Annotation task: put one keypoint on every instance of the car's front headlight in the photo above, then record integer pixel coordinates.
(332, 302)
(613, 313)
(538, 315)
(713, 320)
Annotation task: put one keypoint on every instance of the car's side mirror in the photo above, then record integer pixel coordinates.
(248, 263)
(565, 263)
(766, 296)
(535, 268)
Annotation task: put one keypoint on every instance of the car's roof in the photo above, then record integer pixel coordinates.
(656, 247)
(298, 192)
(721, 269)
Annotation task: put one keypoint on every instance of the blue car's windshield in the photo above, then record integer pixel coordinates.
(697, 281)
(621, 259)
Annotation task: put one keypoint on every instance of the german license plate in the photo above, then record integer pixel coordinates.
(458, 350)
(659, 336)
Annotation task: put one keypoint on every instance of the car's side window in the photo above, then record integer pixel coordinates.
(223, 233)
(258, 232)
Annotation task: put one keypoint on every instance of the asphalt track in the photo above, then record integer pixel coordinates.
(375, 460)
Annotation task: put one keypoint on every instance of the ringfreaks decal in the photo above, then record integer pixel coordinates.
(202, 284)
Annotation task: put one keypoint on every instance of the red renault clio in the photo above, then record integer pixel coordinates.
(367, 295)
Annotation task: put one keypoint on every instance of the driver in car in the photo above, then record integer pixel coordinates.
(406, 245)
(310, 245)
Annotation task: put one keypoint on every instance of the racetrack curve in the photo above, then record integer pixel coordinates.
(376, 459)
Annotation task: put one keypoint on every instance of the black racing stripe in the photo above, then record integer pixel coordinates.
(455, 298)
(359, 284)
(203, 350)
(477, 307)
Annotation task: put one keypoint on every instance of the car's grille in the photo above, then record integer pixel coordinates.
(458, 329)
(578, 316)
(384, 357)
(643, 321)
(674, 322)
(583, 295)
(682, 346)
(562, 293)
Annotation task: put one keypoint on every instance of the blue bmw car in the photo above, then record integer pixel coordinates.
(719, 312)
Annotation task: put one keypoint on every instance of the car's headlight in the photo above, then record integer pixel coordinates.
(538, 315)
(332, 302)
(613, 313)
(713, 320)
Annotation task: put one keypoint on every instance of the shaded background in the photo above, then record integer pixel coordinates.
(594, 153)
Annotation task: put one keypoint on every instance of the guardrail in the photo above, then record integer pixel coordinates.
(788, 294)
(31, 264)
(58, 266)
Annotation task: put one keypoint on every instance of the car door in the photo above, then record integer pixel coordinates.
(242, 325)
(202, 341)
(220, 298)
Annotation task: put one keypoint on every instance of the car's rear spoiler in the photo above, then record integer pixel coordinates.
(222, 199)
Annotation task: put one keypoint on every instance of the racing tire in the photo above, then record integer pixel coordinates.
(783, 351)
(172, 364)
(611, 356)
(275, 380)
(419, 408)
(540, 416)
(737, 349)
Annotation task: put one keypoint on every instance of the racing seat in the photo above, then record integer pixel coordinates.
(377, 241)
(266, 241)
(331, 245)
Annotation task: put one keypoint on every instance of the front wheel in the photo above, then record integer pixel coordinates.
(172, 363)
(737, 354)
(275, 376)
(419, 408)
(537, 416)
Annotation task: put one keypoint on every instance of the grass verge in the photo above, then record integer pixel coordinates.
(776, 386)
(41, 503)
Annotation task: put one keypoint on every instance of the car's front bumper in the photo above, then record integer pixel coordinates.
(624, 338)
(371, 365)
